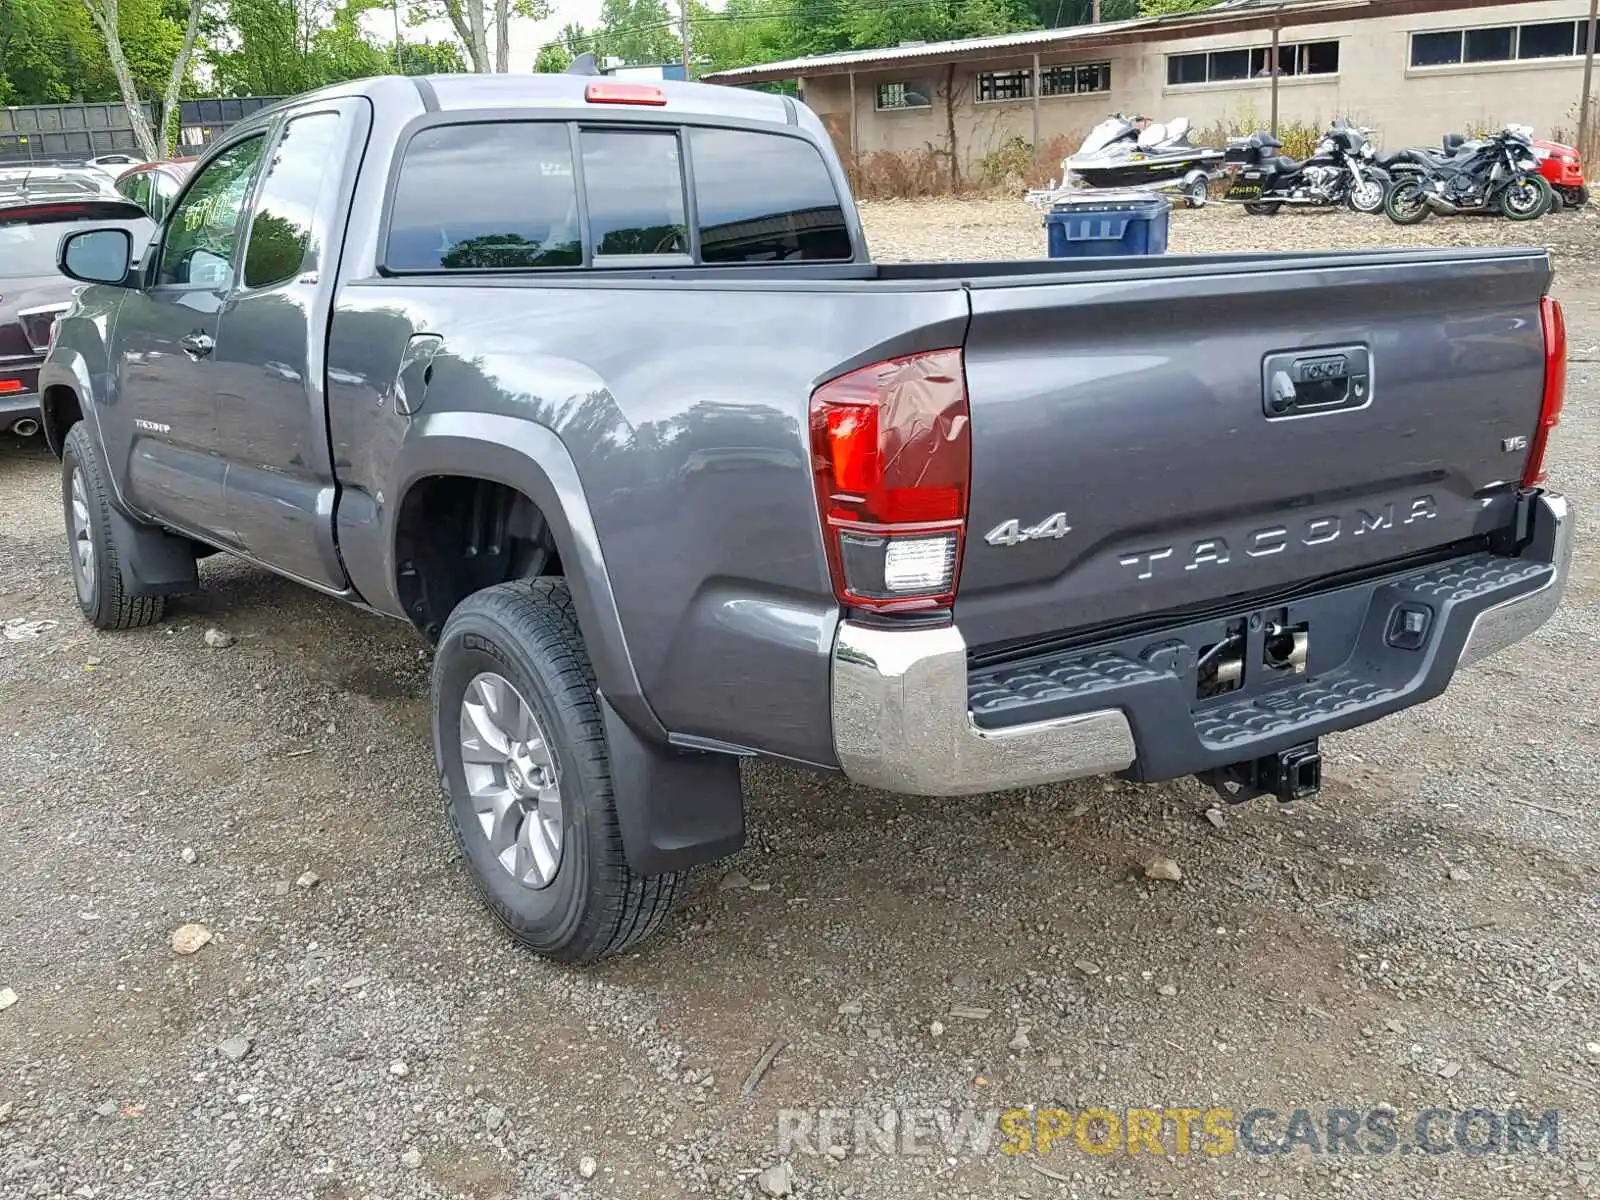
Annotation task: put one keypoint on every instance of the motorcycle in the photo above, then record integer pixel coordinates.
(1498, 174)
(1342, 170)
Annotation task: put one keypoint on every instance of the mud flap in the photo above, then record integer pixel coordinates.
(153, 562)
(676, 809)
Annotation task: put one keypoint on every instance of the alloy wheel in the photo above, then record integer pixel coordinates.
(83, 561)
(513, 780)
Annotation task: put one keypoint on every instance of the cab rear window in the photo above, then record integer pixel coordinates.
(497, 196)
(502, 196)
(762, 197)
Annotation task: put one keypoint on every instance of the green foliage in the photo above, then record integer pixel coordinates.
(428, 58)
(1167, 8)
(636, 31)
(552, 60)
(51, 53)
(281, 47)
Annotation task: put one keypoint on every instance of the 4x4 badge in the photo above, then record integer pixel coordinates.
(1011, 533)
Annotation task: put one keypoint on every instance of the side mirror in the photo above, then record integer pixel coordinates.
(96, 255)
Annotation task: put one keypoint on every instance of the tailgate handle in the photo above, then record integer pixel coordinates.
(1308, 383)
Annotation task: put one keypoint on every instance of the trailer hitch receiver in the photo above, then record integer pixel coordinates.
(1290, 775)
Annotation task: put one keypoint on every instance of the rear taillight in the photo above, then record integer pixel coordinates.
(891, 448)
(1555, 387)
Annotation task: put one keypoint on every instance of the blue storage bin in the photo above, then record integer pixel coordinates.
(1088, 228)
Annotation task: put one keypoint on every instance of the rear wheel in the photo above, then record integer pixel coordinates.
(1263, 208)
(1407, 202)
(1573, 197)
(92, 543)
(1197, 192)
(522, 755)
(1526, 199)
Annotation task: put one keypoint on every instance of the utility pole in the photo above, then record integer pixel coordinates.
(1275, 72)
(399, 62)
(683, 6)
(1585, 113)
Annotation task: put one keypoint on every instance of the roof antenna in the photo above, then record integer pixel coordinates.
(584, 64)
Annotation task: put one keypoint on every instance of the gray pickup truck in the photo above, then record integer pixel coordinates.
(594, 383)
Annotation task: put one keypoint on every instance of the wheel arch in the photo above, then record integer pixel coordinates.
(518, 473)
(63, 384)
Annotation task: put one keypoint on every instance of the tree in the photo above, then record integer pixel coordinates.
(429, 58)
(1168, 8)
(552, 60)
(146, 34)
(282, 47)
(636, 31)
(470, 19)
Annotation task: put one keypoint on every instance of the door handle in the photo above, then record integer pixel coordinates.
(197, 345)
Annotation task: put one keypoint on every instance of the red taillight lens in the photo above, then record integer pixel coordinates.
(891, 448)
(624, 93)
(1555, 387)
(10, 385)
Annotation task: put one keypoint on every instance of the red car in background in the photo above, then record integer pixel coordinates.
(1563, 169)
(154, 186)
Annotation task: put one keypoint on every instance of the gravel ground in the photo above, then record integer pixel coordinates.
(1422, 935)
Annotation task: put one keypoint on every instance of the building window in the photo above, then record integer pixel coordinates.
(1490, 45)
(893, 96)
(1547, 41)
(1500, 43)
(1186, 68)
(1076, 80)
(1005, 85)
(1224, 66)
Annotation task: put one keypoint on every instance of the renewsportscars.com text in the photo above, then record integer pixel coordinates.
(1169, 1131)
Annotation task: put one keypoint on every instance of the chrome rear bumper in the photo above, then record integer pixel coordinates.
(902, 719)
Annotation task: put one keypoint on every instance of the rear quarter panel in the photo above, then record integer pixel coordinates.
(684, 407)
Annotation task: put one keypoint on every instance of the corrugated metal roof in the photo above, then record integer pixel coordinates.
(1229, 16)
(1002, 41)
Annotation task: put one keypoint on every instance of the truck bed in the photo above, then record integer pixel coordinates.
(1126, 395)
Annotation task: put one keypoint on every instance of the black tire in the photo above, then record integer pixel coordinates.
(1404, 205)
(593, 904)
(1263, 208)
(1538, 205)
(1369, 209)
(100, 590)
(1557, 203)
(1197, 193)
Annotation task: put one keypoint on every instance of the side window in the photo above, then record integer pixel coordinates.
(163, 191)
(280, 245)
(634, 185)
(203, 234)
(763, 197)
(487, 196)
(136, 188)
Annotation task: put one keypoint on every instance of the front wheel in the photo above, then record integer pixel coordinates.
(1407, 202)
(92, 542)
(1263, 208)
(526, 772)
(1367, 196)
(1526, 199)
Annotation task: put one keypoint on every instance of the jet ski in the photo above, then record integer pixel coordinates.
(1130, 153)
